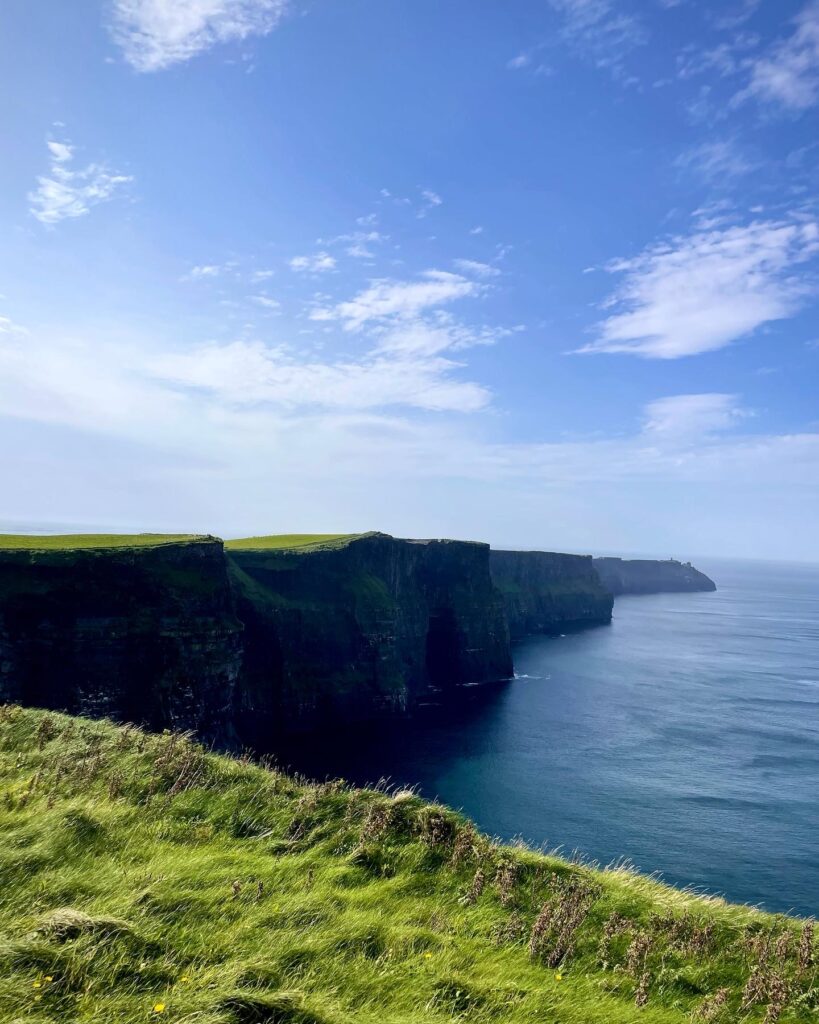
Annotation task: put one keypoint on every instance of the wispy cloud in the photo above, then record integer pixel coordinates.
(429, 201)
(9, 327)
(203, 271)
(154, 34)
(385, 299)
(518, 63)
(66, 193)
(249, 373)
(601, 31)
(717, 161)
(685, 417)
(788, 74)
(318, 263)
(700, 292)
(476, 268)
(266, 302)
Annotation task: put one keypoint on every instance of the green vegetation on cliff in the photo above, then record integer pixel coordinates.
(143, 878)
(287, 541)
(74, 541)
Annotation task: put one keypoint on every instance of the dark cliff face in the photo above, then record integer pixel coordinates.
(546, 592)
(243, 647)
(364, 629)
(645, 576)
(145, 634)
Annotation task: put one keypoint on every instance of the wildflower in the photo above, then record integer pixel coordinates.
(48, 977)
(36, 984)
(159, 1007)
(558, 976)
(185, 977)
(427, 956)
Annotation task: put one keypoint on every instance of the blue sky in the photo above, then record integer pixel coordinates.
(538, 272)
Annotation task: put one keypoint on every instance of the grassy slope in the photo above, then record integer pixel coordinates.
(138, 872)
(69, 541)
(284, 541)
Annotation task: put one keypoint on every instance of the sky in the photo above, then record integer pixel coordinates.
(543, 273)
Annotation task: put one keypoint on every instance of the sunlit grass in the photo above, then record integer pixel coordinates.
(289, 540)
(142, 878)
(70, 541)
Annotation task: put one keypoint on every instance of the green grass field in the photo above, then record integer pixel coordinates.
(70, 541)
(142, 878)
(286, 541)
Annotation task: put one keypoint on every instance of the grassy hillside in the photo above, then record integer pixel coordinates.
(69, 541)
(142, 878)
(285, 541)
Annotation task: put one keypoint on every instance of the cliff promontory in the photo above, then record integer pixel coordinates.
(547, 592)
(357, 627)
(646, 576)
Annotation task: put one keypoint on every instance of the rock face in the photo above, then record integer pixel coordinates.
(546, 592)
(144, 634)
(367, 628)
(241, 646)
(644, 576)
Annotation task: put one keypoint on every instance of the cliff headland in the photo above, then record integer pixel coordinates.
(649, 576)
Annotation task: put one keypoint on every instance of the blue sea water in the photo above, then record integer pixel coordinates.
(684, 737)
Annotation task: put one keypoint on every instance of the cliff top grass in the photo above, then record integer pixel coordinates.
(143, 878)
(73, 541)
(290, 541)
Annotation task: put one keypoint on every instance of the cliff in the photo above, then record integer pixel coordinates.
(546, 592)
(276, 635)
(142, 632)
(645, 576)
(362, 626)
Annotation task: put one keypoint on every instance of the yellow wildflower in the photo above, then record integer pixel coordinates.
(184, 978)
(48, 978)
(159, 1007)
(37, 984)
(558, 976)
(427, 955)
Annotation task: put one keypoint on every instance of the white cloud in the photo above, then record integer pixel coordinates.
(315, 264)
(476, 268)
(249, 373)
(262, 275)
(266, 302)
(685, 417)
(789, 73)
(477, 230)
(522, 60)
(598, 29)
(701, 292)
(716, 161)
(385, 299)
(8, 326)
(65, 193)
(203, 270)
(155, 34)
(429, 201)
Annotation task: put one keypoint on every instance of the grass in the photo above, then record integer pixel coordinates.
(71, 541)
(143, 878)
(286, 541)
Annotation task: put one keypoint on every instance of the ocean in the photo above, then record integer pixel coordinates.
(683, 738)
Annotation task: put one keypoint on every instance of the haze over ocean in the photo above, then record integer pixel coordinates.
(685, 737)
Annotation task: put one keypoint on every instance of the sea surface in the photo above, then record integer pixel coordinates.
(683, 738)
